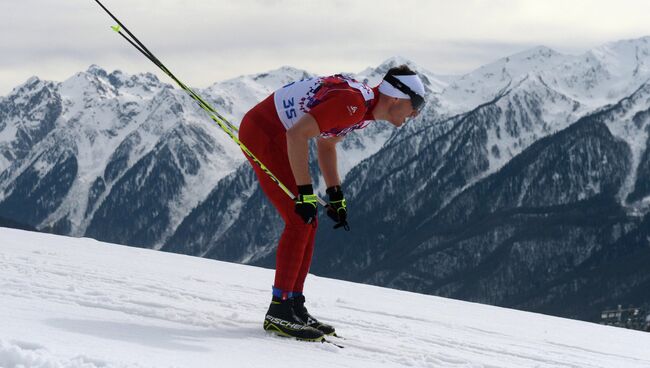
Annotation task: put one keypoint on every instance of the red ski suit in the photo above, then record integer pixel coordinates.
(339, 105)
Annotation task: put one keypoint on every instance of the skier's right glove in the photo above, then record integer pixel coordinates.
(337, 209)
(306, 203)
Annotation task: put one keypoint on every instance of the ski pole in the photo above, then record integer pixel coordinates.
(223, 123)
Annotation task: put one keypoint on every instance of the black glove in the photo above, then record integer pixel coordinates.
(337, 209)
(306, 203)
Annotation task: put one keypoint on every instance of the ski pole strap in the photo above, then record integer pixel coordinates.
(337, 201)
(343, 224)
(307, 199)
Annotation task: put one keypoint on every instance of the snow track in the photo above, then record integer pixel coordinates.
(67, 302)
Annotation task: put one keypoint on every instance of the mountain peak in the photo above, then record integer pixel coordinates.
(395, 61)
(97, 70)
(31, 84)
(639, 42)
(282, 71)
(515, 67)
(537, 52)
(273, 79)
(635, 50)
(535, 58)
(391, 62)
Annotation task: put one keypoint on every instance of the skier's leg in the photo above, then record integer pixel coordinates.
(280, 317)
(299, 299)
(290, 253)
(306, 262)
(295, 237)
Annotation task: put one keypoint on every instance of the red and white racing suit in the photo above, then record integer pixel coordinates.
(339, 105)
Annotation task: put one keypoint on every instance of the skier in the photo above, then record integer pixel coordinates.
(277, 132)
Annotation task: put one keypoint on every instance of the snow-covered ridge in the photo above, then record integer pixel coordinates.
(108, 122)
(597, 77)
(111, 121)
(80, 303)
(107, 117)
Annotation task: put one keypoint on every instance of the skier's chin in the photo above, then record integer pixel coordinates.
(396, 123)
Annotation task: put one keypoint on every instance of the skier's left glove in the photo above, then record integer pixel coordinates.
(337, 209)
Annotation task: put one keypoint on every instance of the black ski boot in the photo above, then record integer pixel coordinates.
(281, 320)
(301, 312)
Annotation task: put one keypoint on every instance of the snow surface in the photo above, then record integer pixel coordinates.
(76, 302)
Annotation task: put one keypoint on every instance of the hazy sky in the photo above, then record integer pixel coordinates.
(204, 41)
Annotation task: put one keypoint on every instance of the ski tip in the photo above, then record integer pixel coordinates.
(116, 28)
(332, 343)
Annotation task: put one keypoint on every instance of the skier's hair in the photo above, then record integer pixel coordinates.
(400, 70)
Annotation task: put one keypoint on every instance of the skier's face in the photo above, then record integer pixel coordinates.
(400, 111)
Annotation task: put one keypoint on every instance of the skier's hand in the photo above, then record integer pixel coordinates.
(337, 209)
(306, 204)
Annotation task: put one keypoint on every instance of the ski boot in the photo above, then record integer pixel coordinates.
(281, 320)
(301, 312)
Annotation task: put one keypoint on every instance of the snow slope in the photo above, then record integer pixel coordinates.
(70, 302)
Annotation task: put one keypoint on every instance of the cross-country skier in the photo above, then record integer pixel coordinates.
(277, 132)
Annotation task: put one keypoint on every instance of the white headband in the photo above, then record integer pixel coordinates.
(412, 81)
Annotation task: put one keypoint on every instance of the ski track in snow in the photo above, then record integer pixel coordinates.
(68, 302)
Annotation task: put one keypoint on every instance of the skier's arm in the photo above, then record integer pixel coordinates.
(327, 160)
(298, 147)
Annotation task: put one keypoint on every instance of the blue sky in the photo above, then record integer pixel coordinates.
(204, 41)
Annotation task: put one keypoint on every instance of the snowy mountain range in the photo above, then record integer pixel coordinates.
(517, 184)
(79, 303)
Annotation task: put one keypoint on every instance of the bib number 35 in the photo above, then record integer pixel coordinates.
(289, 108)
